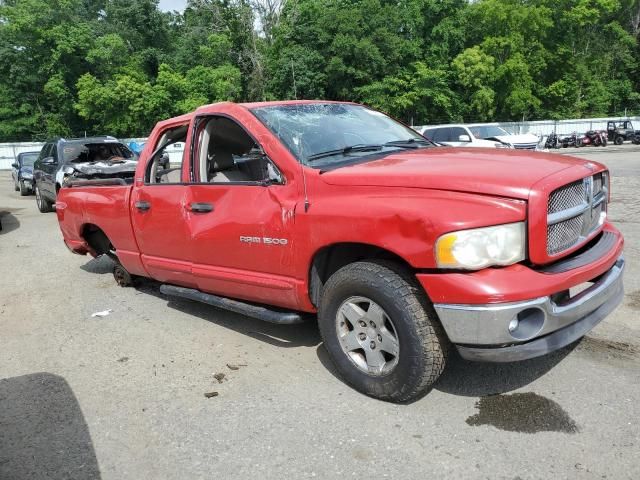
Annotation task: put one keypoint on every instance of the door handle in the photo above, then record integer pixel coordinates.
(142, 205)
(201, 207)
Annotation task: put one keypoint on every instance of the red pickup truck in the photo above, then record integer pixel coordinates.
(402, 248)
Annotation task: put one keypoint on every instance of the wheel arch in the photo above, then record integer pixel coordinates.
(329, 259)
(97, 240)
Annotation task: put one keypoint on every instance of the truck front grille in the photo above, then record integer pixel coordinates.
(525, 146)
(575, 211)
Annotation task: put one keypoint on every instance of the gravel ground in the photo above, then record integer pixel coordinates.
(123, 396)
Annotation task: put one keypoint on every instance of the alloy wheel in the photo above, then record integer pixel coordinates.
(367, 336)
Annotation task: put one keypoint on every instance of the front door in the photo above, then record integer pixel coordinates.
(241, 215)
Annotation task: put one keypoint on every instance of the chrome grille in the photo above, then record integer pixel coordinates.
(562, 236)
(566, 197)
(575, 211)
(525, 146)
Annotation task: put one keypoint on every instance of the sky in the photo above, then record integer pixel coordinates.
(169, 5)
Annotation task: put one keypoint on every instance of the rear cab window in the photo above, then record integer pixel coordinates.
(165, 164)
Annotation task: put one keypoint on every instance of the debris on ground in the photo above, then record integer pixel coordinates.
(219, 377)
(123, 359)
(231, 366)
(103, 313)
(211, 394)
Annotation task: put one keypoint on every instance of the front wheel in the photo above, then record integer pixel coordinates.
(381, 332)
(43, 204)
(24, 189)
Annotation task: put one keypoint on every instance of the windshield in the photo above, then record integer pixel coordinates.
(28, 159)
(488, 131)
(327, 134)
(96, 152)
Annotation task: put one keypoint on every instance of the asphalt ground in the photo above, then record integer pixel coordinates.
(123, 396)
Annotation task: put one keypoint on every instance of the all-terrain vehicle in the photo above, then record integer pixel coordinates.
(620, 131)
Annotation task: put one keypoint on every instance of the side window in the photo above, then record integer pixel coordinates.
(444, 135)
(165, 165)
(455, 133)
(226, 153)
(44, 153)
(54, 152)
(429, 134)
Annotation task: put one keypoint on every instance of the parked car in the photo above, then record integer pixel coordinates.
(524, 141)
(62, 161)
(22, 172)
(401, 248)
(619, 132)
(459, 136)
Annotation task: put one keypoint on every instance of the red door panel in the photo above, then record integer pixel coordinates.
(244, 248)
(162, 232)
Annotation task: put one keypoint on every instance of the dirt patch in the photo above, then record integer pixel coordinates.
(608, 347)
(523, 413)
(634, 300)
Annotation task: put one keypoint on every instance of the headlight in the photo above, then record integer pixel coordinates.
(482, 247)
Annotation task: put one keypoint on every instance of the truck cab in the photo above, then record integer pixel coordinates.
(402, 249)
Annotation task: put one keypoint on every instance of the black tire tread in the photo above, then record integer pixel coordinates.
(435, 344)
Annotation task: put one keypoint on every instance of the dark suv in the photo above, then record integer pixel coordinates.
(22, 172)
(62, 160)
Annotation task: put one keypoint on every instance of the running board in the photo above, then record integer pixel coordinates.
(248, 309)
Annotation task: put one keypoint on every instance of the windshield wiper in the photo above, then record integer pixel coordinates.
(409, 143)
(344, 151)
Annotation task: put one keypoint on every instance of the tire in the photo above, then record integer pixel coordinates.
(24, 191)
(382, 290)
(122, 277)
(579, 142)
(43, 204)
(618, 140)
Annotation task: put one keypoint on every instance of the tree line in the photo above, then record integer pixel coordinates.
(117, 66)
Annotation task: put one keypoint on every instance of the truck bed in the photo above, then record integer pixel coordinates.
(88, 203)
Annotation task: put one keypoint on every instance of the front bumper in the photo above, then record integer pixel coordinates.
(542, 325)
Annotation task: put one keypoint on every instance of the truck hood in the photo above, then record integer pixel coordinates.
(105, 167)
(499, 172)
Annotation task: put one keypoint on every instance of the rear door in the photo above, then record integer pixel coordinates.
(158, 213)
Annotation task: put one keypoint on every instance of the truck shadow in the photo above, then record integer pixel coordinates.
(8, 222)
(302, 335)
(101, 265)
(43, 434)
(477, 379)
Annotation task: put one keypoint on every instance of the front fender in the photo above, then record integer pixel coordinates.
(404, 221)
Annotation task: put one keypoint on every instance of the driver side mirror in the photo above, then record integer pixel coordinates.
(49, 161)
(274, 177)
(464, 138)
(15, 165)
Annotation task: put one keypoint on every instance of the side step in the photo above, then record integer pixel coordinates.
(248, 309)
